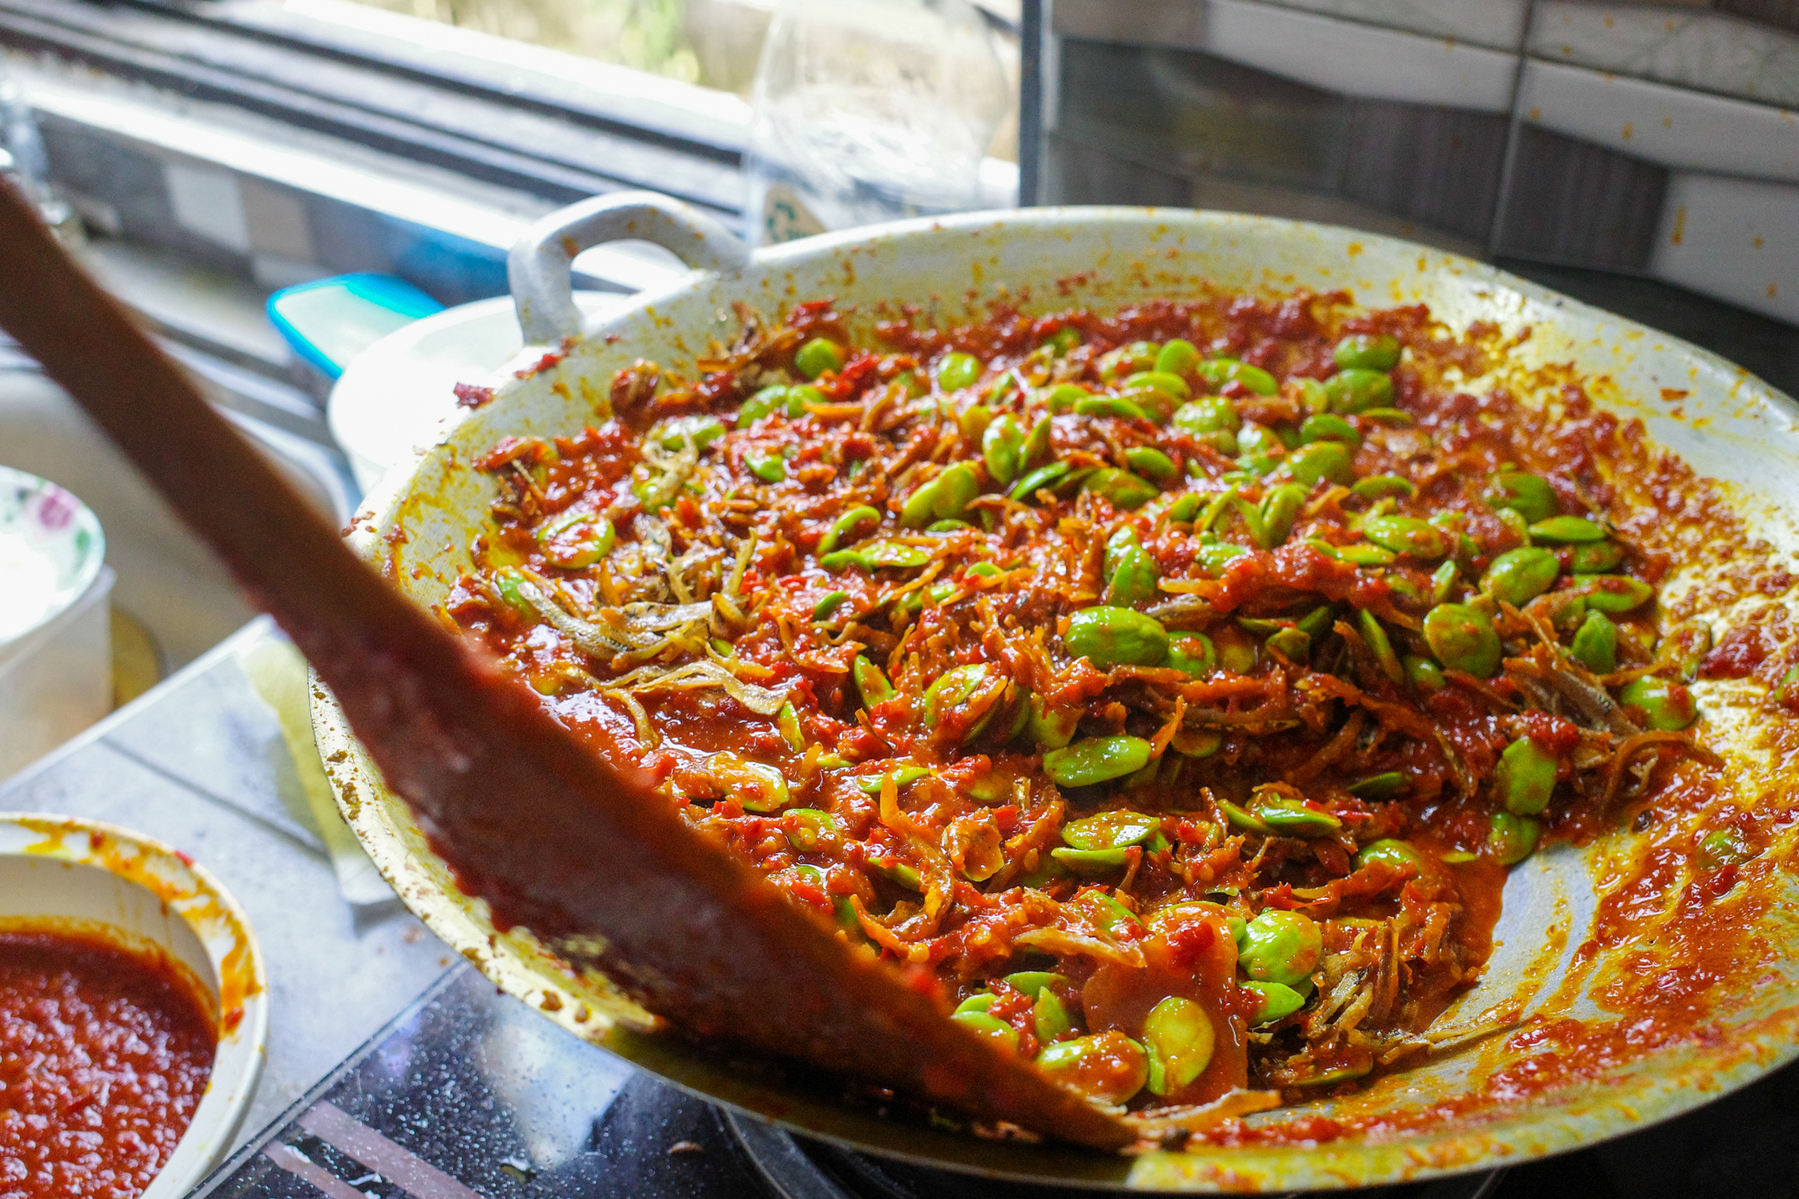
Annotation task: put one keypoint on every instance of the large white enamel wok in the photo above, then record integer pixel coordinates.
(420, 524)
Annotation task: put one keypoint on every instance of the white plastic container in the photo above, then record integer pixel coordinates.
(56, 659)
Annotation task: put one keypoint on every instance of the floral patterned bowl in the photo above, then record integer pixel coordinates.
(51, 550)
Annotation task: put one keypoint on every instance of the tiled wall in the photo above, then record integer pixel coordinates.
(1655, 139)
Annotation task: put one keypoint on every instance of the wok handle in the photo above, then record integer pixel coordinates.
(538, 266)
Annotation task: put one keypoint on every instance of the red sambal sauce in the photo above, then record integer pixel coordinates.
(104, 1055)
(1176, 685)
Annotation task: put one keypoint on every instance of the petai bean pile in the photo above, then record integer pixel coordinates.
(1175, 685)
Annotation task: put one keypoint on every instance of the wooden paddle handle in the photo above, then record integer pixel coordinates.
(547, 833)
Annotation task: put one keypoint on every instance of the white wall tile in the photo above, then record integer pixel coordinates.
(1673, 126)
(206, 203)
(1737, 239)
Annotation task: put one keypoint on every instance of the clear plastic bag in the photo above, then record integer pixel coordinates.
(867, 111)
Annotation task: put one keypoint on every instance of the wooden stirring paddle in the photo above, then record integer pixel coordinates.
(553, 837)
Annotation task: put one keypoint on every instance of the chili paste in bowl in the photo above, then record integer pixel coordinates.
(133, 1013)
(1174, 686)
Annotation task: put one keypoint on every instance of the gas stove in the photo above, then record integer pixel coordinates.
(472, 1095)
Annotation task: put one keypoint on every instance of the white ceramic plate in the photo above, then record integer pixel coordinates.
(85, 872)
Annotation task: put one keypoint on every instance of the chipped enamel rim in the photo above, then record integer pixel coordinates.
(159, 899)
(418, 527)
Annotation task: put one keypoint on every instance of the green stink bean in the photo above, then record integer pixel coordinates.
(1185, 508)
(1388, 416)
(1108, 1066)
(1130, 572)
(769, 467)
(1289, 816)
(1064, 397)
(1527, 494)
(957, 370)
(1317, 622)
(1214, 557)
(980, 1001)
(1242, 818)
(1519, 576)
(1381, 646)
(703, 430)
(1313, 395)
(1049, 1017)
(1463, 639)
(1443, 579)
(1566, 530)
(1595, 644)
(1151, 463)
(1398, 854)
(871, 682)
(974, 421)
(1191, 654)
(1387, 785)
(1125, 490)
(942, 498)
(1321, 460)
(954, 688)
(1613, 593)
(1274, 1002)
(1167, 382)
(817, 356)
(1110, 830)
(1724, 847)
(1126, 360)
(947, 526)
(1208, 414)
(1524, 780)
(1219, 371)
(809, 828)
(1406, 535)
(904, 776)
(1051, 728)
(759, 405)
(1002, 447)
(1063, 340)
(823, 608)
(1280, 508)
(989, 1026)
(798, 397)
(1037, 449)
(1035, 982)
(1180, 1039)
(1178, 357)
(1372, 351)
(575, 540)
(1423, 674)
(1327, 426)
(1040, 479)
(1380, 487)
(1359, 554)
(1291, 644)
(1595, 557)
(1091, 861)
(1357, 389)
(1095, 760)
(848, 527)
(506, 582)
(1281, 947)
(1511, 839)
(1110, 406)
(1665, 705)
